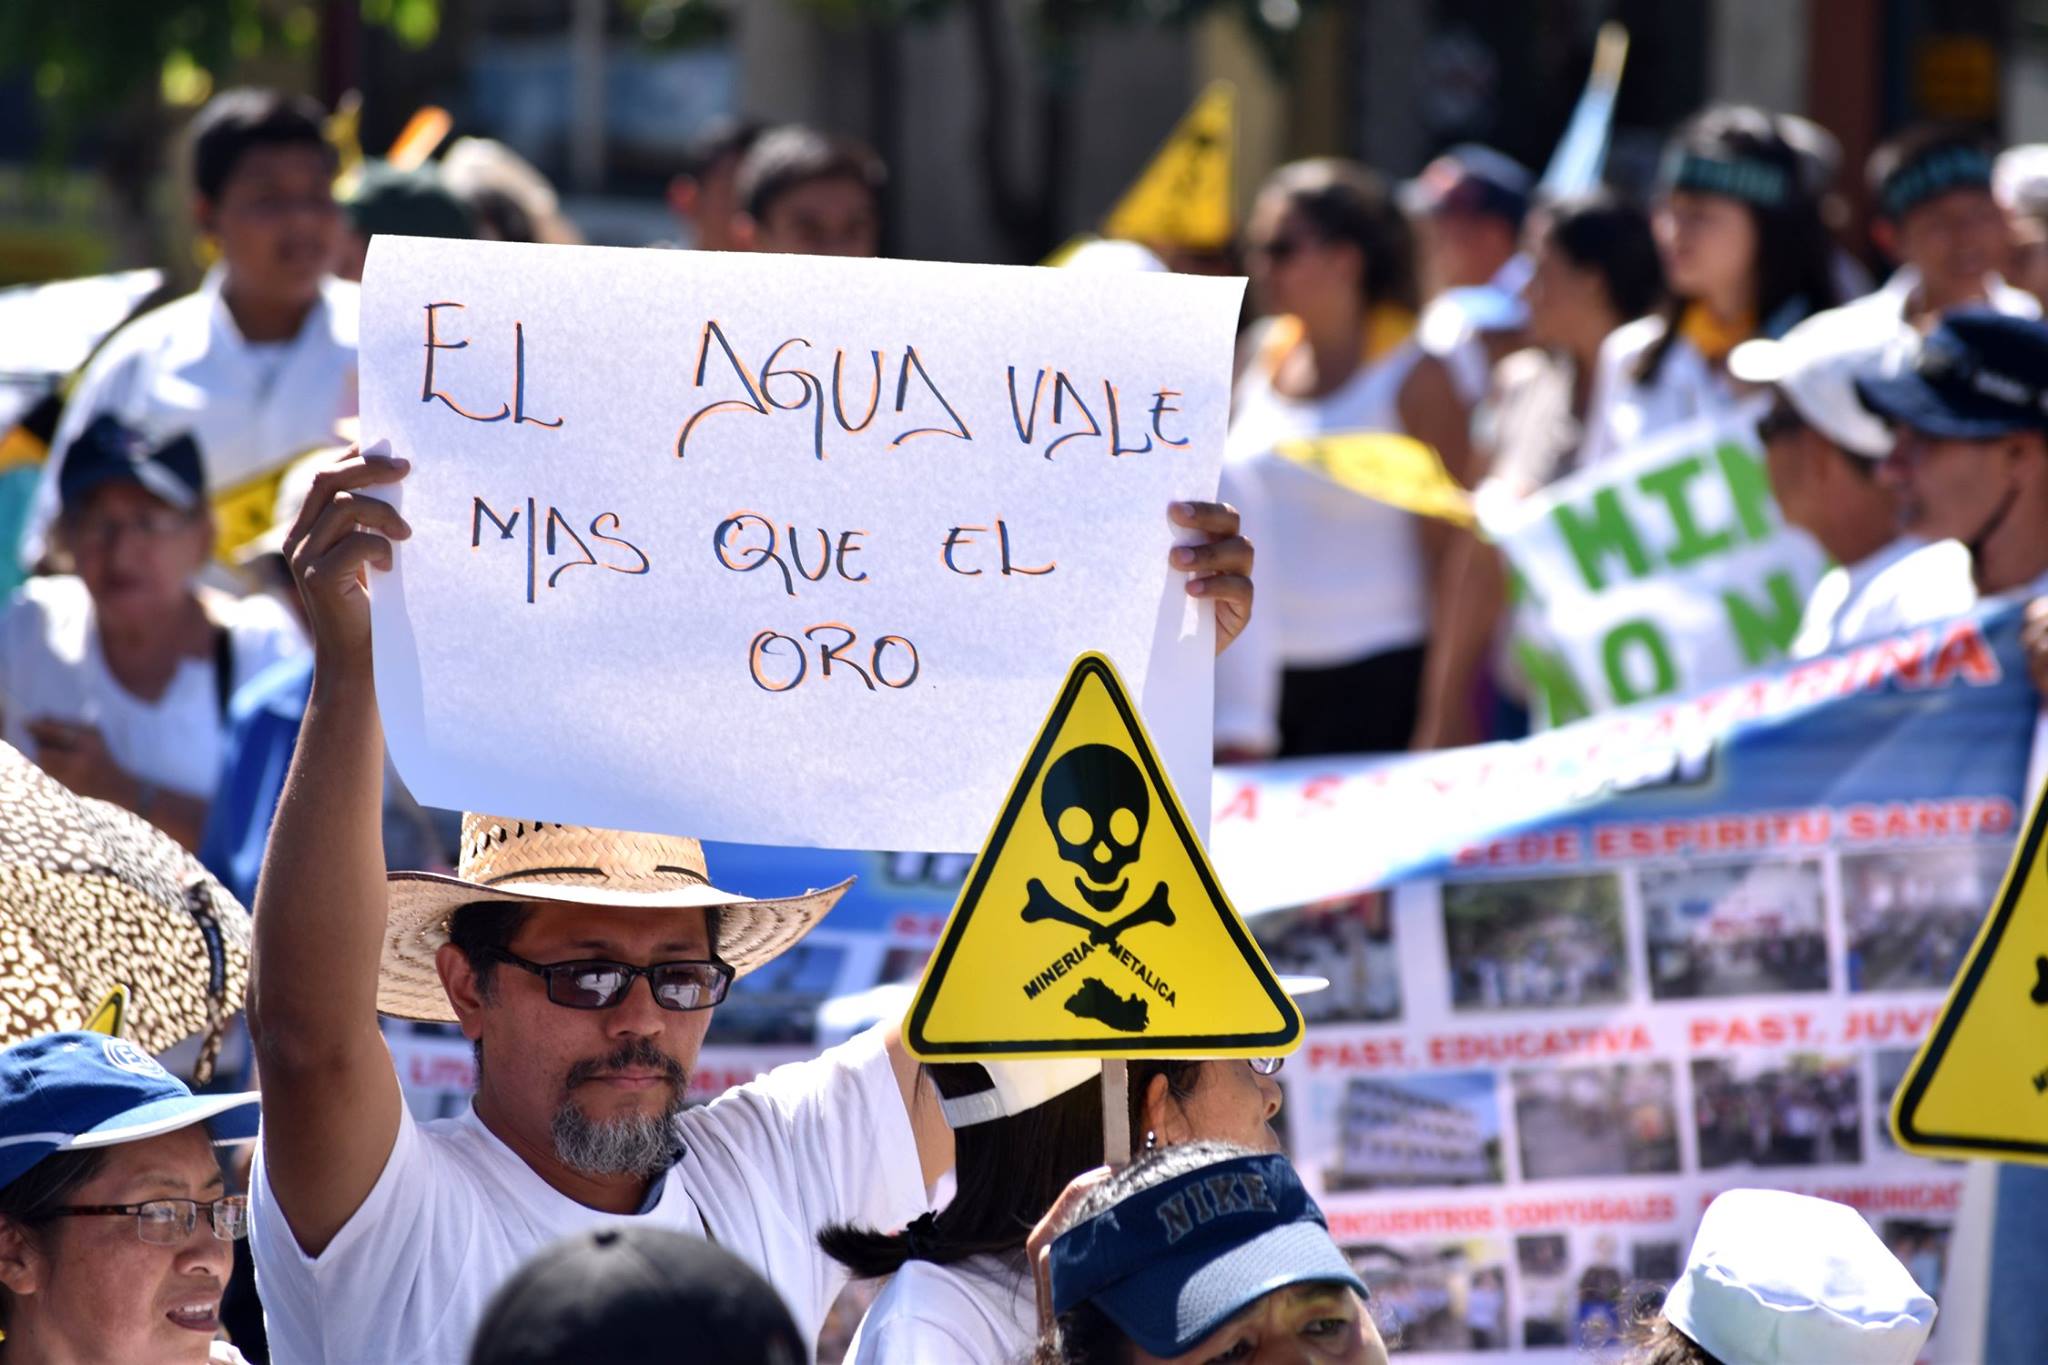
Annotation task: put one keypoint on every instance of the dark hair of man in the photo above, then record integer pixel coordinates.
(1603, 232)
(1923, 142)
(722, 139)
(1347, 204)
(483, 928)
(784, 158)
(30, 1197)
(236, 121)
(1794, 268)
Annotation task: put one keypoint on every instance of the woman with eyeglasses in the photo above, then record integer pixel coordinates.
(1346, 583)
(1745, 253)
(960, 1286)
(116, 677)
(116, 1226)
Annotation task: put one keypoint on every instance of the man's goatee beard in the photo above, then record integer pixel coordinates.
(629, 1144)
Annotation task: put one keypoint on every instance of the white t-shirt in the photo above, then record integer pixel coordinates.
(1622, 411)
(51, 667)
(185, 367)
(980, 1311)
(1843, 612)
(1930, 583)
(1340, 576)
(456, 1212)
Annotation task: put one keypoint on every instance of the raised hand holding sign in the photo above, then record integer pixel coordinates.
(692, 529)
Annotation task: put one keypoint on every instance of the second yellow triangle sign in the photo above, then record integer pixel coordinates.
(1091, 923)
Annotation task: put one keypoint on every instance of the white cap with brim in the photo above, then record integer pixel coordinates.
(1022, 1085)
(1816, 366)
(1785, 1279)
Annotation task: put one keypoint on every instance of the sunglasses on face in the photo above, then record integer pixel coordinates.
(594, 984)
(1267, 1066)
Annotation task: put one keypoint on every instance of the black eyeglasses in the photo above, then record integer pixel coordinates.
(599, 985)
(1782, 420)
(168, 1222)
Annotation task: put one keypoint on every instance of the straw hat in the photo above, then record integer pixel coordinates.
(532, 861)
(91, 897)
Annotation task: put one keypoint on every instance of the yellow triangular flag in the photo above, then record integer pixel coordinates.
(423, 133)
(111, 1013)
(1386, 467)
(1183, 198)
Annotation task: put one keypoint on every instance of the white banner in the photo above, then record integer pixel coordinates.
(779, 549)
(1664, 569)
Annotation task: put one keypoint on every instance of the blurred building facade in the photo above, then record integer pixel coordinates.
(1066, 102)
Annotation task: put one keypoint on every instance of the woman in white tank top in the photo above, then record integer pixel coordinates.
(1746, 254)
(1346, 583)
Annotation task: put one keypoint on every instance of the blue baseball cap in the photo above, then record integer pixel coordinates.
(1978, 376)
(110, 451)
(1171, 1264)
(66, 1091)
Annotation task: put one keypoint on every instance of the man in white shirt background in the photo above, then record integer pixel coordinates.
(1937, 219)
(1822, 449)
(258, 364)
(1970, 459)
(1468, 206)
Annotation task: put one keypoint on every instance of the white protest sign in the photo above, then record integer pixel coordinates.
(779, 549)
(1663, 569)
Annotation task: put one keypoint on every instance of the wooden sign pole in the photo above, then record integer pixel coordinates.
(1116, 1114)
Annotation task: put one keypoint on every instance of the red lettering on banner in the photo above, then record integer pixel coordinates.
(1317, 791)
(1243, 804)
(1759, 1030)
(1964, 653)
(1585, 1212)
(1961, 817)
(1758, 832)
(1554, 846)
(921, 927)
(1892, 1024)
(1360, 1224)
(1358, 1054)
(1456, 1049)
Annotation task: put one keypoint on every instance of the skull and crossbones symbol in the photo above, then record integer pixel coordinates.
(1096, 803)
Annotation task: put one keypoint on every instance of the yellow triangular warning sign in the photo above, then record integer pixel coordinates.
(1092, 925)
(1183, 197)
(1387, 467)
(1979, 1086)
(111, 1014)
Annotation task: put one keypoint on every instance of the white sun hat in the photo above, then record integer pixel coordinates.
(1816, 366)
(1785, 1279)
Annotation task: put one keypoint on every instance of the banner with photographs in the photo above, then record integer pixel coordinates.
(1542, 1058)
(1579, 984)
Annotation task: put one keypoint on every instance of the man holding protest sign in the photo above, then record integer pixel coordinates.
(378, 1238)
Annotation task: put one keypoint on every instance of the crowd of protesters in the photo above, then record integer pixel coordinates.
(192, 643)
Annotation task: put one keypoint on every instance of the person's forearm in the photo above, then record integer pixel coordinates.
(320, 904)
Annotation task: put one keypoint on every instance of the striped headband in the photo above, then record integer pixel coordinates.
(1931, 176)
(1745, 178)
